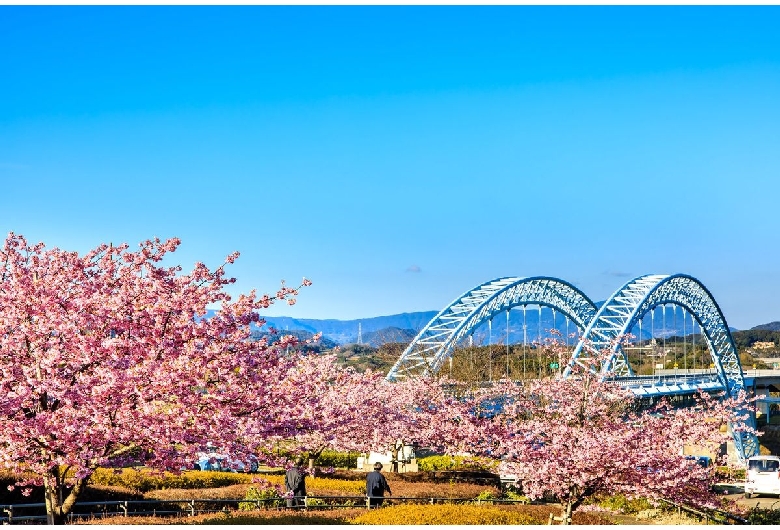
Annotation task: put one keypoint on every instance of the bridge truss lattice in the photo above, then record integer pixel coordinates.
(624, 309)
(435, 342)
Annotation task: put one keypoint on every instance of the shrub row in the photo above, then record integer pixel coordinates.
(622, 504)
(347, 487)
(448, 514)
(261, 493)
(144, 481)
(321, 484)
(763, 516)
(337, 459)
(450, 463)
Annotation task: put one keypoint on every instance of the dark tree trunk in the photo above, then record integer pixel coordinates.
(314, 455)
(395, 451)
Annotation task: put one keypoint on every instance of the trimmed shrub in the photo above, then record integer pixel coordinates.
(346, 487)
(261, 493)
(450, 463)
(337, 459)
(315, 485)
(275, 518)
(448, 514)
(621, 504)
(486, 496)
(763, 516)
(515, 496)
(148, 480)
(728, 473)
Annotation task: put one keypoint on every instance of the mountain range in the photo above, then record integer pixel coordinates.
(403, 327)
(772, 326)
(346, 331)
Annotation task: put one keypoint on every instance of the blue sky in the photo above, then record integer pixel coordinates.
(399, 156)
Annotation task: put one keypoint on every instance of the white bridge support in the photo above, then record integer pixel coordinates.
(603, 327)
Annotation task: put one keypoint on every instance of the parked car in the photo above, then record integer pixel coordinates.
(214, 460)
(703, 461)
(762, 476)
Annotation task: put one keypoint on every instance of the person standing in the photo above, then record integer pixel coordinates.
(295, 482)
(376, 486)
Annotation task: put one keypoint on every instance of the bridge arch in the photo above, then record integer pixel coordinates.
(435, 342)
(618, 315)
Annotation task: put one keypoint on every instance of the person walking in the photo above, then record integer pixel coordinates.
(295, 482)
(376, 486)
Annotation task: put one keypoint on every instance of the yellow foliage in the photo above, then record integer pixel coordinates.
(316, 485)
(145, 480)
(276, 479)
(357, 487)
(148, 481)
(443, 514)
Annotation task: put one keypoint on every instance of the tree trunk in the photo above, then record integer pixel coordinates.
(57, 507)
(53, 512)
(567, 513)
(395, 458)
(572, 503)
(314, 455)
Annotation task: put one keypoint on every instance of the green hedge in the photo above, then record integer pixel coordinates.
(450, 463)
(260, 494)
(621, 504)
(763, 516)
(337, 459)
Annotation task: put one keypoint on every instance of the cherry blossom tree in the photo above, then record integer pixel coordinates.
(348, 410)
(581, 437)
(108, 357)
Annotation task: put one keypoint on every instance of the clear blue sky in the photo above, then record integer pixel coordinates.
(399, 156)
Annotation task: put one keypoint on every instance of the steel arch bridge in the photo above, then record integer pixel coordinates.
(435, 342)
(602, 329)
(624, 309)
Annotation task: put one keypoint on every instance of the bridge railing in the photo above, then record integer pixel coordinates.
(669, 379)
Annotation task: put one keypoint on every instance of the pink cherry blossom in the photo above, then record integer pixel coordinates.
(581, 437)
(106, 359)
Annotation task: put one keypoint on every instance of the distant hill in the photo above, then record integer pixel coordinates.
(381, 330)
(390, 334)
(302, 335)
(346, 331)
(403, 327)
(772, 326)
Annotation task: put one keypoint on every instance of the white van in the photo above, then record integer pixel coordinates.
(762, 475)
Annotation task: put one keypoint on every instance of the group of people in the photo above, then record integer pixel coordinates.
(295, 483)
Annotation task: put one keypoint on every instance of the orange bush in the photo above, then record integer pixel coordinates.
(448, 514)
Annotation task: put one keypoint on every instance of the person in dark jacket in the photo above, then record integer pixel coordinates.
(376, 486)
(295, 481)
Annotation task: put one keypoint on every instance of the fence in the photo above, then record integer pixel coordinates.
(19, 513)
(16, 513)
(715, 516)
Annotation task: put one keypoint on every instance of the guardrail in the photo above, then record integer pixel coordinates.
(717, 516)
(192, 507)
